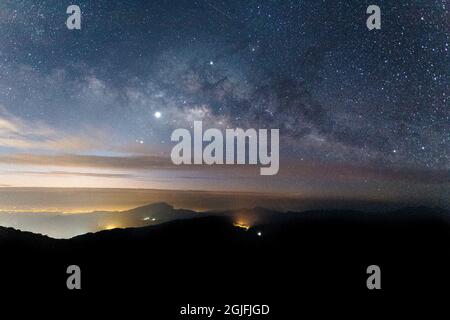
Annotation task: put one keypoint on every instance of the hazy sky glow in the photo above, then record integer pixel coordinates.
(66, 212)
(362, 115)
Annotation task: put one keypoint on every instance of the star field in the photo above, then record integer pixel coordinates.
(340, 94)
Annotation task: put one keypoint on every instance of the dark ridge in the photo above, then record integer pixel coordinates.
(309, 259)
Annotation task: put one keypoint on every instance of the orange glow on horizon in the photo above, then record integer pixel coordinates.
(110, 227)
(241, 224)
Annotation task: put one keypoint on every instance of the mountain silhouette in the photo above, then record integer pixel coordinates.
(59, 225)
(162, 211)
(316, 257)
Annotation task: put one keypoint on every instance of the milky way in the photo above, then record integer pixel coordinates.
(341, 95)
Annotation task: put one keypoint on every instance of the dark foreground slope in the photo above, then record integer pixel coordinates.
(302, 263)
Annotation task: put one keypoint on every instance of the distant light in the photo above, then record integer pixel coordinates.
(241, 224)
(211, 63)
(259, 234)
(154, 219)
(146, 218)
(158, 114)
(110, 227)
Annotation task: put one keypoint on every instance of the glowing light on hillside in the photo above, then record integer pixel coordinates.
(241, 224)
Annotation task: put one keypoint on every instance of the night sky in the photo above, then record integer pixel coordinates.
(362, 114)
